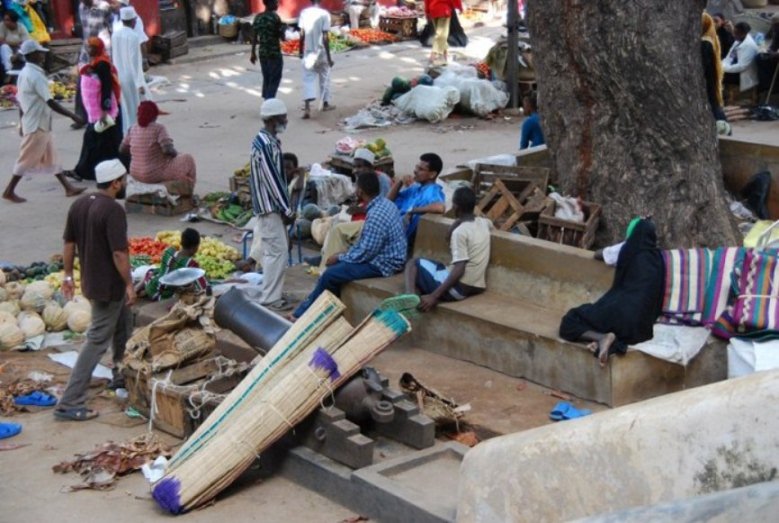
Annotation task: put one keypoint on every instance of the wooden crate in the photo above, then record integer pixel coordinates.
(152, 204)
(403, 27)
(485, 174)
(240, 186)
(576, 234)
(343, 164)
(511, 202)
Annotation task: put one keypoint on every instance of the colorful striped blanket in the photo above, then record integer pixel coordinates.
(697, 284)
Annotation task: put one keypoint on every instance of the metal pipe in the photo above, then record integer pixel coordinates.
(250, 321)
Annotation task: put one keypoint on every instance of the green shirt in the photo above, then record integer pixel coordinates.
(269, 30)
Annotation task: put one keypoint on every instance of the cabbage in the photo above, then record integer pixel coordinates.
(42, 287)
(31, 324)
(79, 320)
(7, 317)
(55, 318)
(10, 336)
(11, 307)
(78, 303)
(33, 299)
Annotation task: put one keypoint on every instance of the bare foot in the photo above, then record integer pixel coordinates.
(12, 197)
(593, 347)
(291, 317)
(74, 191)
(603, 348)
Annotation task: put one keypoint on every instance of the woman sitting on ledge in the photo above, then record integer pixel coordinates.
(153, 157)
(626, 314)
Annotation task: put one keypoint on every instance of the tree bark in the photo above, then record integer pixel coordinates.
(625, 115)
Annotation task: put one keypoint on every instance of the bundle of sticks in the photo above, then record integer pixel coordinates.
(313, 358)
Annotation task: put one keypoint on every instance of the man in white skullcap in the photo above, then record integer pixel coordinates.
(96, 230)
(138, 28)
(127, 58)
(270, 202)
(36, 153)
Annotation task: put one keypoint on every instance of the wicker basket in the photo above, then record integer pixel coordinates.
(576, 234)
(403, 27)
(228, 30)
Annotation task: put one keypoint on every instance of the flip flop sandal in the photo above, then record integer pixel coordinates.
(36, 399)
(406, 304)
(9, 430)
(560, 410)
(574, 413)
(77, 414)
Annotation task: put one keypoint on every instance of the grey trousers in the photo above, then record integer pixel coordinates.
(112, 321)
(273, 255)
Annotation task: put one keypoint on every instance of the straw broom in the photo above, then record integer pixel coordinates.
(315, 320)
(304, 385)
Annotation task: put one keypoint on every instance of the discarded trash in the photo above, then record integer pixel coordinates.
(69, 360)
(154, 471)
(40, 376)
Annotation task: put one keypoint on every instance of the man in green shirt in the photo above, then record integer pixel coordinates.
(268, 32)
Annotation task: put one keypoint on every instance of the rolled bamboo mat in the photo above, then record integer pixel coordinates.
(323, 312)
(297, 392)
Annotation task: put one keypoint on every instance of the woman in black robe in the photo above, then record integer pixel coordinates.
(627, 312)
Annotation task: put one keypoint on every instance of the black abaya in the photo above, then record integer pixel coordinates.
(631, 306)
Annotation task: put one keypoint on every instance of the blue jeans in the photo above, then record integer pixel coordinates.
(271, 76)
(334, 278)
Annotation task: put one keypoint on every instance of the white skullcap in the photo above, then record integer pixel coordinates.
(128, 13)
(124, 2)
(272, 107)
(109, 171)
(365, 154)
(30, 46)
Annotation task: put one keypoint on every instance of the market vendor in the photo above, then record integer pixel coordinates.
(357, 7)
(12, 34)
(380, 251)
(469, 242)
(171, 261)
(153, 157)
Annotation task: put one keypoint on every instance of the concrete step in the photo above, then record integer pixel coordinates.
(520, 339)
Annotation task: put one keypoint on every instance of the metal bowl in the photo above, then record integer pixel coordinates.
(182, 277)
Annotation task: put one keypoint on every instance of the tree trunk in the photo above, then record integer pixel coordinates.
(625, 115)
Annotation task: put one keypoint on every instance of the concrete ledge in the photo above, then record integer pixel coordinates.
(699, 441)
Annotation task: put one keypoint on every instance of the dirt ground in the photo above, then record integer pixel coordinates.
(214, 106)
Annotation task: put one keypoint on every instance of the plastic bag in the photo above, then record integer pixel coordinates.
(479, 97)
(433, 104)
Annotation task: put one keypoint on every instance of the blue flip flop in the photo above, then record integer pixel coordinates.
(36, 399)
(574, 413)
(560, 410)
(8, 430)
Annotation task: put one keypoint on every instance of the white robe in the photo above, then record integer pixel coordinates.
(127, 58)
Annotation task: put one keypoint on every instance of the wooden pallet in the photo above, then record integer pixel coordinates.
(486, 174)
(576, 234)
(509, 202)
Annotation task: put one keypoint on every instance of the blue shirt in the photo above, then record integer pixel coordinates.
(418, 195)
(531, 132)
(382, 242)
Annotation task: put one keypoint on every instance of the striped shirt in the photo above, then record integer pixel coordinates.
(267, 182)
(382, 242)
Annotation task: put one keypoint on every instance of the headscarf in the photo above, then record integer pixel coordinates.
(147, 113)
(709, 34)
(102, 56)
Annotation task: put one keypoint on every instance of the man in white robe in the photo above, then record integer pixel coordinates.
(127, 58)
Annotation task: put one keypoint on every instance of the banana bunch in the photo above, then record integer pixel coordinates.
(212, 247)
(62, 91)
(172, 238)
(55, 280)
(216, 268)
(243, 172)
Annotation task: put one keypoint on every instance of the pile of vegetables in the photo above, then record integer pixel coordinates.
(8, 97)
(338, 44)
(228, 208)
(400, 86)
(29, 309)
(148, 246)
(214, 257)
(62, 91)
(372, 36)
(349, 144)
(400, 12)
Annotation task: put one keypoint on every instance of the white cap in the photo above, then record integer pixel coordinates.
(124, 2)
(30, 46)
(109, 171)
(365, 154)
(272, 107)
(128, 13)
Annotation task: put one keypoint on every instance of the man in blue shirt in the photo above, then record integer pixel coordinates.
(531, 135)
(420, 195)
(380, 251)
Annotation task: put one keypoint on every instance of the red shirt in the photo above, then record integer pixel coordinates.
(441, 8)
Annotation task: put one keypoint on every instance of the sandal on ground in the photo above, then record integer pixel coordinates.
(8, 430)
(75, 414)
(278, 305)
(36, 399)
(73, 176)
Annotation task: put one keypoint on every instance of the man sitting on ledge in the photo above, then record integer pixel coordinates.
(469, 241)
(380, 251)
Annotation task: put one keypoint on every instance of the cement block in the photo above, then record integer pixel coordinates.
(698, 441)
(329, 433)
(409, 426)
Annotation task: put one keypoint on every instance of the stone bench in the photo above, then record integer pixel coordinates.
(513, 327)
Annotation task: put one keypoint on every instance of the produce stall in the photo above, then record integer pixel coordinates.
(342, 160)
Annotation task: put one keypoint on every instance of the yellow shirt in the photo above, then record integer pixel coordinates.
(471, 243)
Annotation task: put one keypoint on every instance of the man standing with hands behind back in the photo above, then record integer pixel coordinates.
(96, 229)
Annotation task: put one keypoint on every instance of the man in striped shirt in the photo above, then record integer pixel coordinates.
(270, 202)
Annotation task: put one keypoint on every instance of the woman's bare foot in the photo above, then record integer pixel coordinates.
(291, 318)
(12, 197)
(604, 345)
